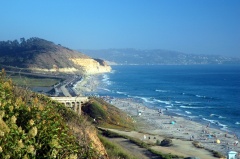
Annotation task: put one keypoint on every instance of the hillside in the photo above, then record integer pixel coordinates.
(157, 57)
(39, 55)
(34, 126)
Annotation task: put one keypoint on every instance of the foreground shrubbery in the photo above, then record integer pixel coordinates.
(34, 128)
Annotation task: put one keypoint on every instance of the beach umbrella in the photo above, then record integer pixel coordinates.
(218, 141)
(209, 136)
(172, 122)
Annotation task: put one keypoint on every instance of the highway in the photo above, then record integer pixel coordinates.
(66, 87)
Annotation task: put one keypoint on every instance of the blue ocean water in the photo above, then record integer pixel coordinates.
(204, 93)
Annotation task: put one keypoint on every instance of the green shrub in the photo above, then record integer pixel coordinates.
(197, 144)
(95, 110)
(107, 115)
(158, 142)
(218, 154)
(166, 142)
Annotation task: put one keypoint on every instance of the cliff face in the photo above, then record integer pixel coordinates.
(91, 66)
(97, 144)
(85, 66)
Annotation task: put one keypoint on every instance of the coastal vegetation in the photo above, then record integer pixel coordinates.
(26, 53)
(114, 150)
(33, 126)
(106, 115)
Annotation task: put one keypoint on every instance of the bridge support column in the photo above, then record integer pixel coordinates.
(74, 106)
(79, 109)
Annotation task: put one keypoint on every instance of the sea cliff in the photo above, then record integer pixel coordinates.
(91, 66)
(88, 67)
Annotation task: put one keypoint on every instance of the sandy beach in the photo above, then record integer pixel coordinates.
(87, 85)
(165, 124)
(177, 127)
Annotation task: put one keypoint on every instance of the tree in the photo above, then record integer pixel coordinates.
(23, 42)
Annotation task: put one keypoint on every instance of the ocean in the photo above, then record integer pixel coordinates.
(203, 93)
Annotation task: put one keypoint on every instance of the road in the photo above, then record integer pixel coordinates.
(66, 87)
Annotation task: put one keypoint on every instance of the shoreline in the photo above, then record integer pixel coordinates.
(86, 85)
(168, 123)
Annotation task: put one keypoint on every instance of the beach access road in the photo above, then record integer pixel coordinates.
(180, 147)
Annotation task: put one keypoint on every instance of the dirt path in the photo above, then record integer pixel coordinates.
(132, 148)
(180, 147)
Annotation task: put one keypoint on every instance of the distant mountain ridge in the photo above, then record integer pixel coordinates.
(156, 57)
(44, 56)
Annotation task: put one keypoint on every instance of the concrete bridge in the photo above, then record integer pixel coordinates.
(74, 103)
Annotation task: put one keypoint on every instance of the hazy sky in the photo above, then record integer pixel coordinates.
(190, 26)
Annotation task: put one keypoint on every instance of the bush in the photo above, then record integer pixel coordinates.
(95, 110)
(166, 142)
(197, 144)
(218, 154)
(158, 142)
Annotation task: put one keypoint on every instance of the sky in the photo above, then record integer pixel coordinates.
(189, 26)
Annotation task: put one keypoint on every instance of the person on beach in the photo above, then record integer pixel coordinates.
(160, 112)
(144, 137)
(236, 143)
(208, 125)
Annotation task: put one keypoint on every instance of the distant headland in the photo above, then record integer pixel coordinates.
(157, 57)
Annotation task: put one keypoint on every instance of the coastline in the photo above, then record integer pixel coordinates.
(166, 124)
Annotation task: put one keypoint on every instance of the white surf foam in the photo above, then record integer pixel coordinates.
(215, 122)
(162, 91)
(178, 102)
(162, 101)
(147, 100)
(199, 96)
(105, 89)
(188, 112)
(124, 93)
(218, 116)
(190, 107)
(106, 79)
